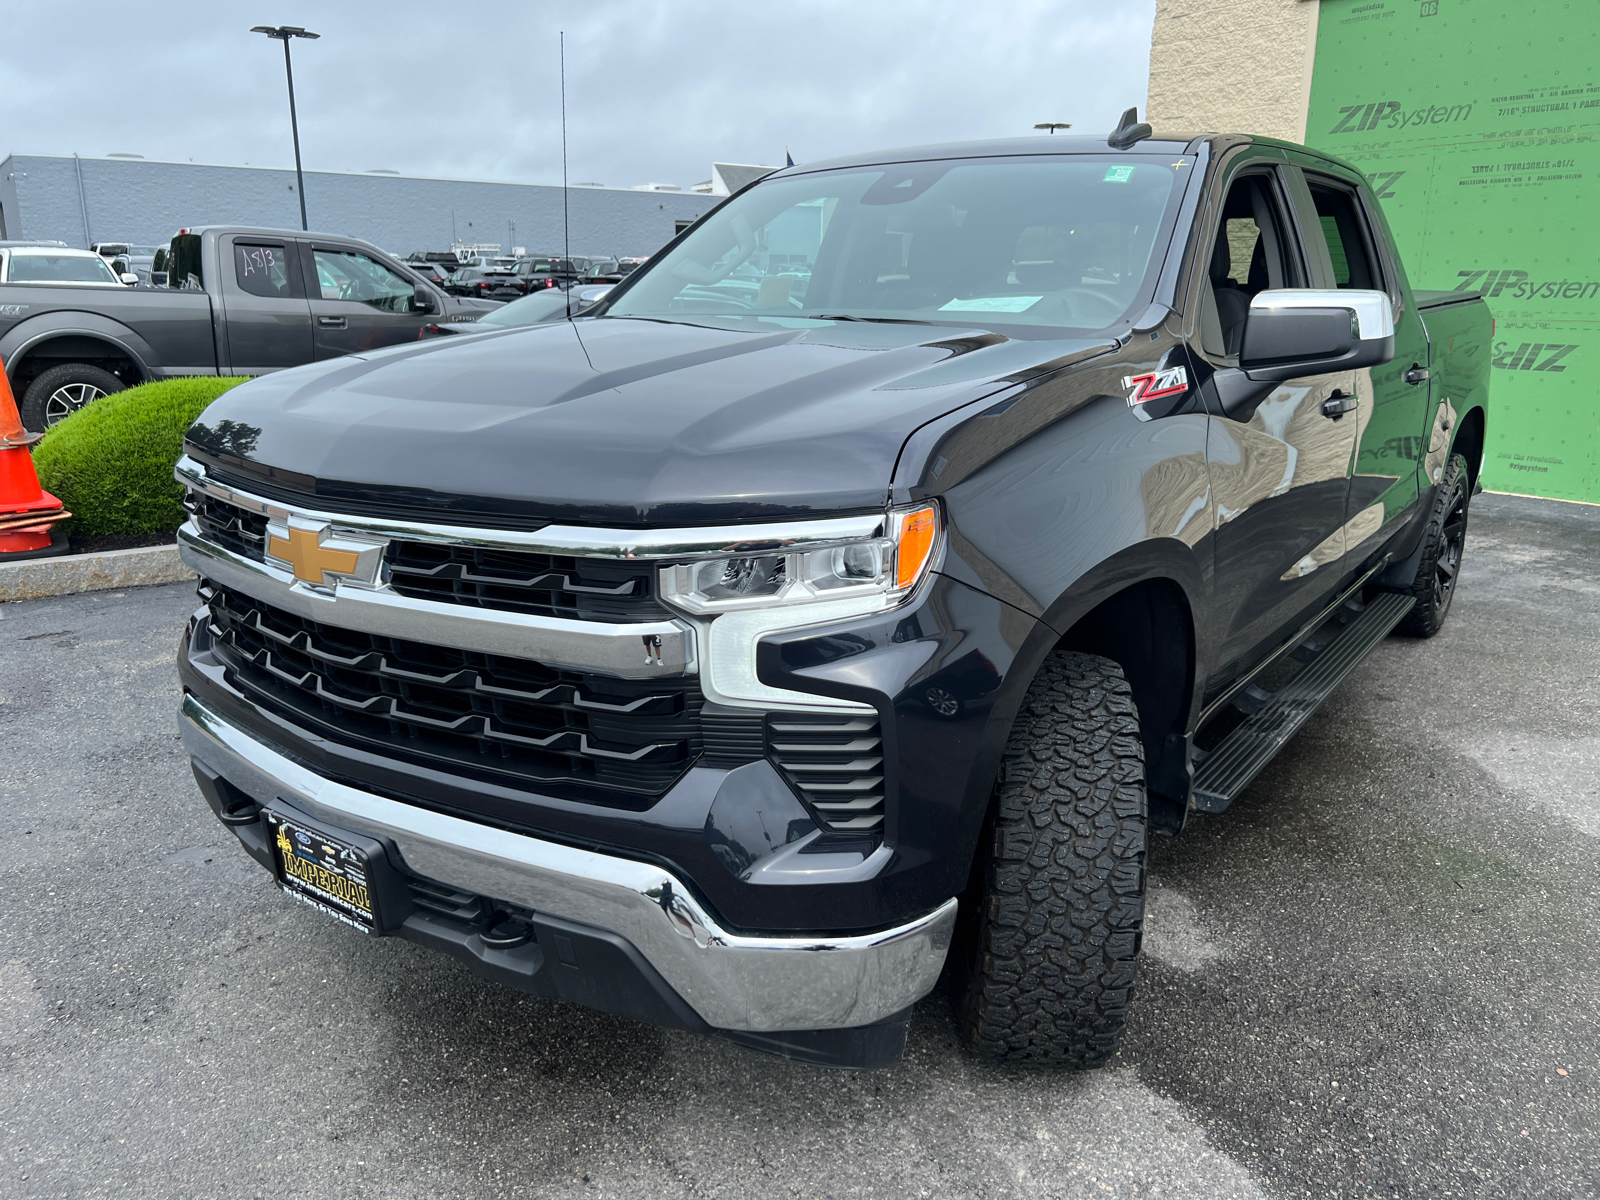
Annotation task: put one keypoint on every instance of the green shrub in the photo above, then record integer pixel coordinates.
(111, 462)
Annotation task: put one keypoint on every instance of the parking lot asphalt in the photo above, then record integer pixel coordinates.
(1378, 974)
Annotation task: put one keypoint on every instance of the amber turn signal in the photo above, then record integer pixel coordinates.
(915, 535)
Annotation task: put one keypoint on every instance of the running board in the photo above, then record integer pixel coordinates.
(1228, 769)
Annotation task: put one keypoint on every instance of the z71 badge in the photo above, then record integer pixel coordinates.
(1172, 381)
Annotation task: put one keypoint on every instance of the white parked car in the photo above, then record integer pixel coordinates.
(59, 266)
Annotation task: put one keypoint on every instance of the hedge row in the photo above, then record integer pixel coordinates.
(111, 462)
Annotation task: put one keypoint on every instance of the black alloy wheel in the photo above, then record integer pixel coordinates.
(1444, 545)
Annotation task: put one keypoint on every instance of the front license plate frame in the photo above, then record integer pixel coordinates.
(331, 873)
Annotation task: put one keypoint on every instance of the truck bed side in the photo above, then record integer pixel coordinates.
(160, 332)
(1460, 339)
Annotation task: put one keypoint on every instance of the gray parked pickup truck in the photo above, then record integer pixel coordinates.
(238, 302)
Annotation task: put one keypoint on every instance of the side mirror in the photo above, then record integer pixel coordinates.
(1309, 331)
(421, 301)
(1291, 332)
(129, 278)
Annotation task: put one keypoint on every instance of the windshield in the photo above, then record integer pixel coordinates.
(60, 268)
(1059, 241)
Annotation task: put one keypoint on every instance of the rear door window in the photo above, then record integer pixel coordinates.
(262, 269)
(1345, 231)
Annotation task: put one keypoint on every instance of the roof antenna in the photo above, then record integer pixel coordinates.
(566, 233)
(1129, 131)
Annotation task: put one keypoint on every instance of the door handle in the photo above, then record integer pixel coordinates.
(1417, 376)
(1337, 404)
(331, 322)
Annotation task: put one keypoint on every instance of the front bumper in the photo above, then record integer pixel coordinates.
(733, 982)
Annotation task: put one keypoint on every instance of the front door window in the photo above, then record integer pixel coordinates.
(350, 275)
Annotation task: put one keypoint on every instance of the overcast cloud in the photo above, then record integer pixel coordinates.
(656, 89)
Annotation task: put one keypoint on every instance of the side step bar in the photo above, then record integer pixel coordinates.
(1228, 769)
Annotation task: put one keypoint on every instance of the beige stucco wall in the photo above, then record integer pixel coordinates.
(1232, 66)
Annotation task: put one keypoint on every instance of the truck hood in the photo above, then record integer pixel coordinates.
(614, 421)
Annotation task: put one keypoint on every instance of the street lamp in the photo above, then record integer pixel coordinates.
(283, 33)
(1052, 126)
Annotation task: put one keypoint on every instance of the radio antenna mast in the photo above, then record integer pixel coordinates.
(566, 231)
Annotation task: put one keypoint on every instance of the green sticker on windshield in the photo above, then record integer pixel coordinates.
(1117, 175)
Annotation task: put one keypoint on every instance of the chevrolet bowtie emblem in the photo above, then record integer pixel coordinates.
(315, 554)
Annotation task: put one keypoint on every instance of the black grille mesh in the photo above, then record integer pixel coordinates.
(836, 761)
(549, 585)
(491, 716)
(229, 526)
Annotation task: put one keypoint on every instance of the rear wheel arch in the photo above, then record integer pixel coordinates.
(53, 348)
(1470, 440)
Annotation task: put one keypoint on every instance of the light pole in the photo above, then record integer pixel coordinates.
(283, 33)
(1052, 126)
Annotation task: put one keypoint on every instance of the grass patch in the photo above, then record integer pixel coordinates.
(111, 462)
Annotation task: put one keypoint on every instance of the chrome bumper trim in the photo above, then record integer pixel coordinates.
(555, 641)
(732, 981)
(562, 539)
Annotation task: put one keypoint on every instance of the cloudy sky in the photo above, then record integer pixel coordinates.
(656, 89)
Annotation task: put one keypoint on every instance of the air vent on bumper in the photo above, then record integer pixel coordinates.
(836, 763)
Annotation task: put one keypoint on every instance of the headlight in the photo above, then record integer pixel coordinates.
(887, 565)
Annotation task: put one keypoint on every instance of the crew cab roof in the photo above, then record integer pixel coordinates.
(996, 148)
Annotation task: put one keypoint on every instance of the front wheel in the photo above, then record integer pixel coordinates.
(61, 391)
(1444, 543)
(1053, 933)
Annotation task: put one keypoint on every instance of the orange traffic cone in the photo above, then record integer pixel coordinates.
(26, 510)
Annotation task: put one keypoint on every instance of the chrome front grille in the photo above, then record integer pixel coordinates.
(491, 716)
(836, 762)
(548, 585)
(492, 577)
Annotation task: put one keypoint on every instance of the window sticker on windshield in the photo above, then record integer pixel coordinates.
(774, 291)
(1117, 175)
(992, 304)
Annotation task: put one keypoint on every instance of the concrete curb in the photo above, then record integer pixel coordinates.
(41, 577)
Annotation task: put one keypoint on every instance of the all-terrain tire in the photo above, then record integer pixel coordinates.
(1443, 544)
(1052, 938)
(61, 391)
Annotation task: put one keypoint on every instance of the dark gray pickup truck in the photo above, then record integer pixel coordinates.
(239, 302)
(848, 595)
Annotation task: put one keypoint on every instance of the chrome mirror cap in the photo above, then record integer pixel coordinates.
(1371, 311)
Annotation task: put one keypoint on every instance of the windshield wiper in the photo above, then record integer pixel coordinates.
(852, 317)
